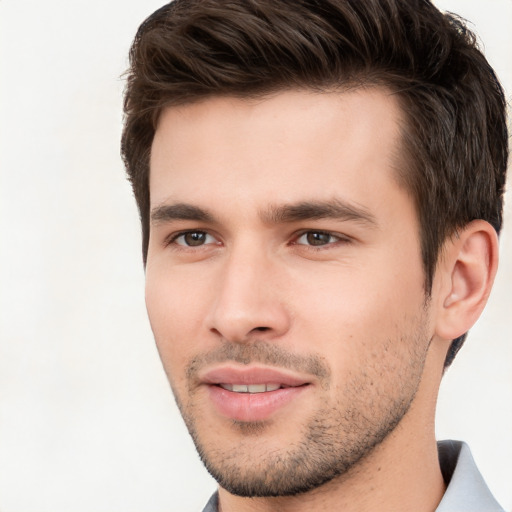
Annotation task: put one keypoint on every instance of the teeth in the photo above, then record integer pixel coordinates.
(250, 388)
(257, 388)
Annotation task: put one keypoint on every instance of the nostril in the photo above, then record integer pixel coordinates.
(261, 329)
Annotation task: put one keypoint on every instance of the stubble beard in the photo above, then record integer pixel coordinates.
(332, 443)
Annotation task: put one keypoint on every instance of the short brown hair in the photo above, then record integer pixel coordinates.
(455, 140)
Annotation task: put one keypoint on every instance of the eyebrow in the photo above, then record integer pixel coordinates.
(315, 210)
(179, 211)
(275, 214)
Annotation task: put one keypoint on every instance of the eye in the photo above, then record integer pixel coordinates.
(317, 238)
(193, 239)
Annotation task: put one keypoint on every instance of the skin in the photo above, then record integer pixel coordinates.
(244, 276)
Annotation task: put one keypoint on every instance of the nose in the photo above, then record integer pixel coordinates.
(249, 301)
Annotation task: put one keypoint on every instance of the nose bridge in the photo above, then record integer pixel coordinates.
(248, 300)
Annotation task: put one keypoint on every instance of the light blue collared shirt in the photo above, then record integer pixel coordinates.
(466, 490)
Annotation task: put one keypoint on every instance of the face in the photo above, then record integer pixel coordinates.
(284, 283)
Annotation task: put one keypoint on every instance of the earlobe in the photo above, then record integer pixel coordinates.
(469, 265)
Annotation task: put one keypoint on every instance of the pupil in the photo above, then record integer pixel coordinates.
(316, 238)
(195, 238)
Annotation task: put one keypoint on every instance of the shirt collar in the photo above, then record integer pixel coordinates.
(466, 489)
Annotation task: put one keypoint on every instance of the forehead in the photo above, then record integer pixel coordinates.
(291, 146)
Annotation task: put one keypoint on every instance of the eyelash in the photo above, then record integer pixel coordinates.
(173, 239)
(334, 239)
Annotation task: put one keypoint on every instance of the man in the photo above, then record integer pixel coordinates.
(320, 188)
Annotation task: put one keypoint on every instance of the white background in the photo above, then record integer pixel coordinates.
(87, 420)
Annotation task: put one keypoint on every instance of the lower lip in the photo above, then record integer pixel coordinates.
(252, 406)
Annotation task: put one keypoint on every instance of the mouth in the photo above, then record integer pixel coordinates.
(252, 388)
(252, 394)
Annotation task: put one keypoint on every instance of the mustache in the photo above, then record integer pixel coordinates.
(261, 352)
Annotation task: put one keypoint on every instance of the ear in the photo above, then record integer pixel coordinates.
(467, 266)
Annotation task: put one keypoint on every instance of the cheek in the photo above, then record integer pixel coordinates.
(351, 315)
(175, 310)
(354, 298)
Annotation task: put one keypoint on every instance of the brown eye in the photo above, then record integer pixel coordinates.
(317, 238)
(193, 238)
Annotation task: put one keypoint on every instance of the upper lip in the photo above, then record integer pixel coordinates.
(250, 375)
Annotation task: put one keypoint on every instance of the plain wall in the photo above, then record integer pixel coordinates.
(87, 420)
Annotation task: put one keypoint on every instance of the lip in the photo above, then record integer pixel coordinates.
(252, 407)
(251, 375)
